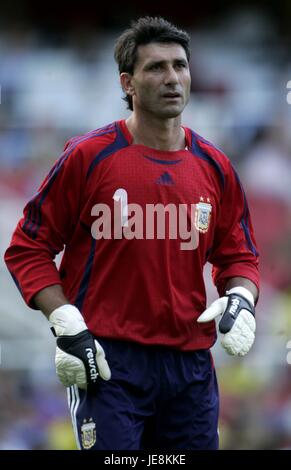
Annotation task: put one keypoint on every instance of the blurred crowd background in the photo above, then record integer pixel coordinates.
(58, 79)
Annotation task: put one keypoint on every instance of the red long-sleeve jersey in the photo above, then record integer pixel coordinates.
(142, 289)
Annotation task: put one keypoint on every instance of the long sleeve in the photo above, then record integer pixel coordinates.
(48, 222)
(234, 252)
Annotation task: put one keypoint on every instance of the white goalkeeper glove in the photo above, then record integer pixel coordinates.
(238, 322)
(79, 359)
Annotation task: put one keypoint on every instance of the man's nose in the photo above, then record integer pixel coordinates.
(171, 76)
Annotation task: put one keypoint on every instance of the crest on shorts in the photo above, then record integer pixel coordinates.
(202, 215)
(88, 433)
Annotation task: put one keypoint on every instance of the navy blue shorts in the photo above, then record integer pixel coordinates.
(157, 398)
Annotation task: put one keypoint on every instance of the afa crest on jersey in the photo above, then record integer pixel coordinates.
(88, 434)
(203, 215)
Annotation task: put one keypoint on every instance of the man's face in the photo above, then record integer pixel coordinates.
(161, 79)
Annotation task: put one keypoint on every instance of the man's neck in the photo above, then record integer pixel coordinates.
(160, 134)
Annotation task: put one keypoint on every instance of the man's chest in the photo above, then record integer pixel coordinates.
(149, 180)
(144, 191)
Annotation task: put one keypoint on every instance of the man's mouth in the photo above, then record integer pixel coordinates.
(171, 95)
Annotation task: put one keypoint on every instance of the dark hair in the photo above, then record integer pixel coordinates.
(144, 31)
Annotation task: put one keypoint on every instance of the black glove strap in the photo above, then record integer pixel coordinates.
(235, 304)
(82, 346)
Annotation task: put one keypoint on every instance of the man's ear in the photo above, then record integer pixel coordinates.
(126, 83)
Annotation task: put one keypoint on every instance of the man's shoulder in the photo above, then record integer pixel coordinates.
(203, 147)
(93, 140)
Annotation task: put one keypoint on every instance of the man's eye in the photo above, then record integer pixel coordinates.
(156, 67)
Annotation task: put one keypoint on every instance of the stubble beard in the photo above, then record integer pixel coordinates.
(167, 112)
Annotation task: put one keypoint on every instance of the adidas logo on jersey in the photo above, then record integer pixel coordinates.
(165, 178)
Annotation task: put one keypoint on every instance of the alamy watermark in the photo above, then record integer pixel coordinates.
(133, 221)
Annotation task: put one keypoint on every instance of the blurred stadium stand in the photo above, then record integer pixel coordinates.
(58, 79)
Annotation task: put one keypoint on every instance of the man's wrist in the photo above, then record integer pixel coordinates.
(49, 299)
(243, 282)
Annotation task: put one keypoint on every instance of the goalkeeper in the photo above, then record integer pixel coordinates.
(128, 310)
